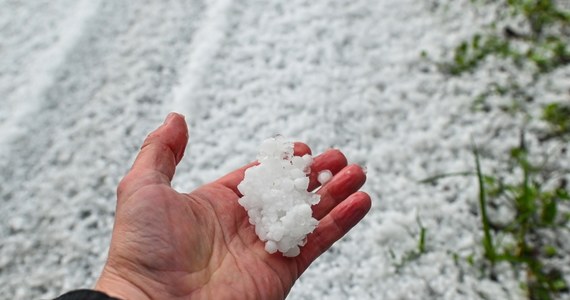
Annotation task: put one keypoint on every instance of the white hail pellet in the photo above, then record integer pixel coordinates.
(324, 176)
(276, 198)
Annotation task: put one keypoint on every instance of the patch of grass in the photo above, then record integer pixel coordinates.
(469, 54)
(537, 40)
(540, 37)
(516, 92)
(558, 117)
(414, 254)
(536, 209)
(544, 44)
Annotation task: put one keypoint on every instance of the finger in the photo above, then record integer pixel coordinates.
(349, 180)
(300, 149)
(156, 162)
(332, 160)
(232, 179)
(334, 226)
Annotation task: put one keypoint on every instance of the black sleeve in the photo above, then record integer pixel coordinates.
(85, 295)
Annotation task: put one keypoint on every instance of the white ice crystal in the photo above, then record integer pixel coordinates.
(276, 198)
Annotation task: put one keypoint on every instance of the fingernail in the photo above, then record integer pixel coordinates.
(169, 118)
(347, 181)
(352, 213)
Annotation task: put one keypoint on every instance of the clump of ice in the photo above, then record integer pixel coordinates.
(276, 198)
(324, 176)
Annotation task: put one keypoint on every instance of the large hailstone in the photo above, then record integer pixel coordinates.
(276, 198)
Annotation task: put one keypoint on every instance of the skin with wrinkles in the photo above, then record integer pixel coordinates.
(172, 245)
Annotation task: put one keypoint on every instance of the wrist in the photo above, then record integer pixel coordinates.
(116, 286)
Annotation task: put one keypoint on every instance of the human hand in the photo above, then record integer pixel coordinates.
(171, 245)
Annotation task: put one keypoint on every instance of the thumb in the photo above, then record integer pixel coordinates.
(156, 162)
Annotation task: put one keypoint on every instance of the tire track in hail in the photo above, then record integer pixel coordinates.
(62, 169)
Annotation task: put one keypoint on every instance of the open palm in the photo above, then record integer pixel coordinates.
(170, 245)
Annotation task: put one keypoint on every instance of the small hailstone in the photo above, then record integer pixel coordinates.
(324, 176)
(276, 198)
(292, 252)
(308, 159)
(270, 247)
(301, 183)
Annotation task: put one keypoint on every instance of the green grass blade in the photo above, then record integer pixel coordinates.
(488, 246)
(433, 179)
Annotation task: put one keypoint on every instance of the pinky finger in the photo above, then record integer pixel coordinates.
(334, 226)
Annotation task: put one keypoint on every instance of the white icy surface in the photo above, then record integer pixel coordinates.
(83, 82)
